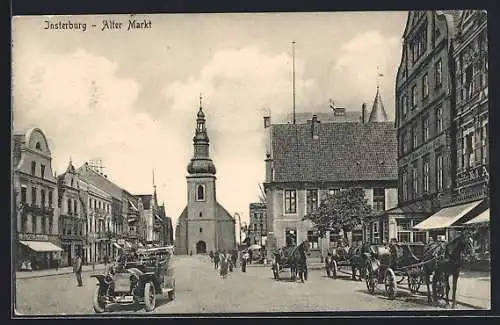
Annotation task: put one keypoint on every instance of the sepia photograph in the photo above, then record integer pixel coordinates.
(229, 163)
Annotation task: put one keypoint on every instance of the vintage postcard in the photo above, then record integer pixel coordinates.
(232, 163)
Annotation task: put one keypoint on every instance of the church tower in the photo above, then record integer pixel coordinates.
(202, 201)
(204, 225)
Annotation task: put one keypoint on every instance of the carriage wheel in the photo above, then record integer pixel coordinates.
(371, 279)
(390, 284)
(414, 282)
(334, 269)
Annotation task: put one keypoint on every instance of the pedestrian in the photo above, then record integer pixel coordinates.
(223, 266)
(106, 261)
(211, 256)
(250, 256)
(216, 260)
(77, 269)
(190, 253)
(244, 259)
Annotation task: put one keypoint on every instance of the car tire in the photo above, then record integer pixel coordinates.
(97, 303)
(149, 297)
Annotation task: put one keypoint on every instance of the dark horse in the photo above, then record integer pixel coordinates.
(443, 260)
(298, 261)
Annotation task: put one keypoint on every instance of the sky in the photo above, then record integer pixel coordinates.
(130, 98)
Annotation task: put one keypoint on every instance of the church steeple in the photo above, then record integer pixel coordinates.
(201, 162)
(378, 113)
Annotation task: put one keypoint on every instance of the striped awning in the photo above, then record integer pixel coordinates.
(484, 217)
(444, 218)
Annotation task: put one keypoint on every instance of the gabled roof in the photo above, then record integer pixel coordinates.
(100, 181)
(303, 117)
(223, 214)
(342, 152)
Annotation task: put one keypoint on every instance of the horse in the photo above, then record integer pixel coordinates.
(298, 261)
(443, 260)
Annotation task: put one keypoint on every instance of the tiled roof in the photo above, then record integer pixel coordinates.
(222, 213)
(302, 117)
(94, 178)
(343, 152)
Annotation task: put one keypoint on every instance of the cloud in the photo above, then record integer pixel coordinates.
(236, 85)
(355, 70)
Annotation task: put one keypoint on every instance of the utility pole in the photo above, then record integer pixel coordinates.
(293, 78)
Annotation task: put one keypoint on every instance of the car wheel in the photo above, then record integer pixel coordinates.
(149, 297)
(98, 300)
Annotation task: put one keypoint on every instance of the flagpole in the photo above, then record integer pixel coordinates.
(293, 78)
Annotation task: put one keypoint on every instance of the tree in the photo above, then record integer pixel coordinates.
(340, 211)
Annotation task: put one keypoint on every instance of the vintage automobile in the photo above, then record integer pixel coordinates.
(136, 278)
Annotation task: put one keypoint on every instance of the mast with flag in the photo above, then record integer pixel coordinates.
(293, 79)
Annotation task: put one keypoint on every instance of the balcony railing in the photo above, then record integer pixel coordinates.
(37, 209)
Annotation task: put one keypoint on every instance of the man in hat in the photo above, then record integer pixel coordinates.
(77, 269)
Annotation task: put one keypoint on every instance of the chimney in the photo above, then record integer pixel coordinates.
(363, 113)
(269, 168)
(267, 122)
(314, 127)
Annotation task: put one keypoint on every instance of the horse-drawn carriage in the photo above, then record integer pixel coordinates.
(397, 259)
(136, 278)
(294, 258)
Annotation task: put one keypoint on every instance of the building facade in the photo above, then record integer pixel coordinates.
(135, 220)
(72, 216)
(204, 225)
(438, 146)
(35, 192)
(305, 161)
(257, 229)
(424, 110)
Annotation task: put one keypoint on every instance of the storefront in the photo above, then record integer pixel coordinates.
(482, 237)
(37, 252)
(442, 221)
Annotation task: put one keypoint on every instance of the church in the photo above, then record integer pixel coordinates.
(204, 225)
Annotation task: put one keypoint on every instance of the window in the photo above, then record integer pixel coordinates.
(313, 238)
(484, 143)
(75, 207)
(42, 170)
(33, 195)
(290, 201)
(426, 175)
(312, 200)
(438, 73)
(468, 150)
(415, 136)
(439, 172)
(201, 230)
(414, 177)
(69, 206)
(33, 168)
(403, 230)
(379, 199)
(38, 146)
(255, 227)
(33, 224)
(50, 199)
(23, 194)
(42, 196)
(425, 86)
(333, 191)
(413, 97)
(375, 232)
(405, 184)
(425, 128)
(200, 192)
(419, 236)
(439, 119)
(404, 105)
(201, 214)
(468, 81)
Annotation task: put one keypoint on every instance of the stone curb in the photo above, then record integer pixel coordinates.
(54, 274)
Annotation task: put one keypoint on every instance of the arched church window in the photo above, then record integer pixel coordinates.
(200, 193)
(201, 229)
(201, 215)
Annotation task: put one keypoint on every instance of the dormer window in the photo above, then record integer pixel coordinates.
(38, 146)
(200, 192)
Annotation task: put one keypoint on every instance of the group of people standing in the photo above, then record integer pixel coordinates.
(225, 262)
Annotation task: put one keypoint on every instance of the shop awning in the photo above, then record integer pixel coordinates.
(41, 246)
(447, 216)
(484, 217)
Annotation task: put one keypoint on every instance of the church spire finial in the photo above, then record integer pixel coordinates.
(379, 75)
(201, 99)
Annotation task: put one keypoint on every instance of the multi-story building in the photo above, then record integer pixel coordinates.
(72, 216)
(257, 230)
(99, 221)
(307, 160)
(426, 110)
(470, 55)
(151, 217)
(35, 196)
(135, 222)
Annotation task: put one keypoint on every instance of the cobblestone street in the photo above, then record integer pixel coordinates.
(199, 289)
